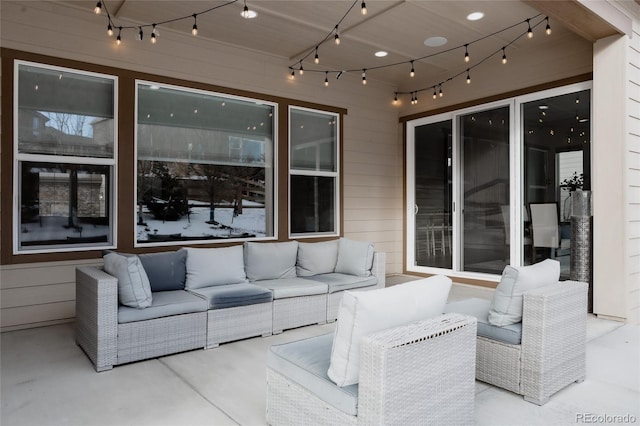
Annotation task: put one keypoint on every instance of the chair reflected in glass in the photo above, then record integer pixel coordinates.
(546, 230)
(506, 220)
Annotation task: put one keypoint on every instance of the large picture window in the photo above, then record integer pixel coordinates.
(64, 159)
(314, 172)
(205, 166)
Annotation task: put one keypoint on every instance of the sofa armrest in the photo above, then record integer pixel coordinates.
(379, 268)
(554, 329)
(421, 373)
(97, 315)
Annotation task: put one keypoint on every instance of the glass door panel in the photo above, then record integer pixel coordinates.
(485, 190)
(433, 192)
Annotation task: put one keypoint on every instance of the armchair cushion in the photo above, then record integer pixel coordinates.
(364, 312)
(214, 266)
(134, 289)
(506, 306)
(232, 295)
(165, 304)
(270, 261)
(306, 362)
(354, 257)
(317, 258)
(479, 308)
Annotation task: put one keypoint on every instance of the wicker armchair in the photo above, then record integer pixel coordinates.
(551, 354)
(421, 373)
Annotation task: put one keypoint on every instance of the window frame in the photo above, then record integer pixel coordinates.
(336, 174)
(19, 158)
(274, 167)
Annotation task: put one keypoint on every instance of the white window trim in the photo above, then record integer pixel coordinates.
(319, 173)
(21, 157)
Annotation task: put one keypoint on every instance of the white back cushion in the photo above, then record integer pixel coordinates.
(270, 261)
(364, 312)
(354, 257)
(506, 306)
(214, 266)
(317, 258)
(134, 289)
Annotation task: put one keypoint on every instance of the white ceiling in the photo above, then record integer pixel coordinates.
(292, 29)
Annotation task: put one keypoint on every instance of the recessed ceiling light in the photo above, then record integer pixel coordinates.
(381, 53)
(435, 41)
(543, 107)
(475, 16)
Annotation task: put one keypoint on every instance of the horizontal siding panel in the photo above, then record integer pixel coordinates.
(373, 225)
(634, 212)
(40, 295)
(376, 236)
(633, 125)
(634, 267)
(633, 159)
(369, 170)
(374, 203)
(37, 314)
(633, 194)
(634, 246)
(366, 214)
(634, 229)
(28, 275)
(370, 182)
(363, 157)
(353, 192)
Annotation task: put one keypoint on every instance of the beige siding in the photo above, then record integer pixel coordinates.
(372, 160)
(633, 177)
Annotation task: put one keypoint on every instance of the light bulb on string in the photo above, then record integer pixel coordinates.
(194, 29)
(140, 34)
(440, 92)
(119, 38)
(468, 77)
(109, 30)
(504, 56)
(395, 98)
(98, 9)
(316, 59)
(466, 53)
(326, 78)
(301, 70)
(336, 37)
(415, 98)
(435, 94)
(413, 71)
(363, 8)
(364, 76)
(548, 28)
(529, 30)
(153, 35)
(245, 10)
(292, 76)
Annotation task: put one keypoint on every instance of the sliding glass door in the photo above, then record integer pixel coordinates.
(475, 177)
(484, 137)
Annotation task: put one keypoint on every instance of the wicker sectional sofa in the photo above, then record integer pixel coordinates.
(201, 297)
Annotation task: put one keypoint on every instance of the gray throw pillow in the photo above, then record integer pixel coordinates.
(214, 266)
(134, 289)
(166, 271)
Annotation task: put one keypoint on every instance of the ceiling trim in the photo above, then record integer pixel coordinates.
(577, 17)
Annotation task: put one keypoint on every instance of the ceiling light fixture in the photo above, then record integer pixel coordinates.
(363, 8)
(109, 30)
(529, 30)
(413, 71)
(548, 28)
(194, 29)
(98, 9)
(504, 55)
(474, 16)
(466, 52)
(435, 41)
(381, 54)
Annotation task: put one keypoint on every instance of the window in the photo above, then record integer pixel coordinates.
(64, 159)
(205, 166)
(313, 170)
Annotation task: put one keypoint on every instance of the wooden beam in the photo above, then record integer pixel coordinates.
(575, 17)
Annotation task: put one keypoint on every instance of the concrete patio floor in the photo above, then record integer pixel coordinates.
(47, 380)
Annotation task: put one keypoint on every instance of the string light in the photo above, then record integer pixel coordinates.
(468, 77)
(293, 75)
(504, 55)
(412, 72)
(326, 78)
(109, 30)
(301, 71)
(140, 34)
(153, 35)
(98, 9)
(529, 30)
(466, 53)
(245, 10)
(336, 38)
(548, 28)
(395, 98)
(440, 93)
(435, 95)
(119, 38)
(194, 29)
(363, 9)
(316, 59)
(364, 76)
